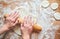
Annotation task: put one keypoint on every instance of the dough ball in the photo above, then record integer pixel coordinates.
(57, 16)
(54, 6)
(45, 4)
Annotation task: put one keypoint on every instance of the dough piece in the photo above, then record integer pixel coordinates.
(45, 4)
(54, 6)
(57, 16)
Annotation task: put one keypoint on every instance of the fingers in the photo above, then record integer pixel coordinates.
(16, 15)
(13, 16)
(25, 20)
(28, 21)
(22, 26)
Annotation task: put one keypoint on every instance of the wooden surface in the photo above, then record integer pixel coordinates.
(56, 23)
(57, 34)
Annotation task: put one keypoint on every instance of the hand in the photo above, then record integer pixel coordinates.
(26, 26)
(11, 20)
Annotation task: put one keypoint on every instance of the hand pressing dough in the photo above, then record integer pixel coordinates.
(54, 6)
(57, 16)
(36, 27)
(45, 4)
(24, 13)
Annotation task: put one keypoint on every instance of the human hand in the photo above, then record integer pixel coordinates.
(26, 26)
(11, 20)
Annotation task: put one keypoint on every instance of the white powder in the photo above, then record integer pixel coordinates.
(44, 17)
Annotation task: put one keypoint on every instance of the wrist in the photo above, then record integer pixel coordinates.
(26, 36)
(5, 27)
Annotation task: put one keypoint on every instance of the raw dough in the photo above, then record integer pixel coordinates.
(45, 4)
(54, 6)
(57, 16)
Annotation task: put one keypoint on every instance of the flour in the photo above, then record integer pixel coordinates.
(43, 16)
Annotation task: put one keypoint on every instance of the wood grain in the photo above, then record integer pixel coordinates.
(56, 23)
(57, 34)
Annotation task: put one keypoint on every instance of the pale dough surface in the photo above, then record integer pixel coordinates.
(57, 16)
(54, 6)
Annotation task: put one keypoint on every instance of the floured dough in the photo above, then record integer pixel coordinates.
(57, 16)
(54, 6)
(45, 3)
